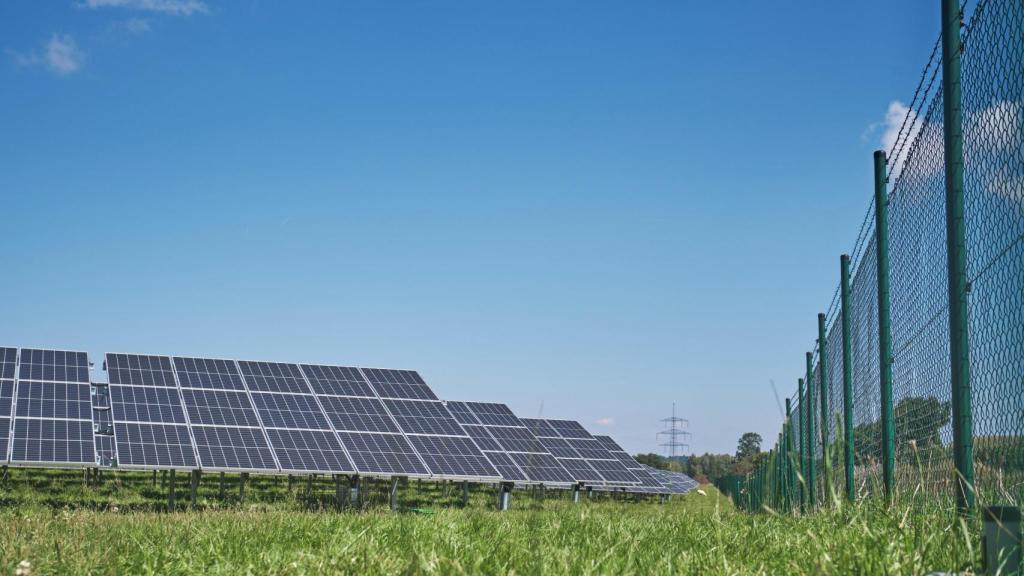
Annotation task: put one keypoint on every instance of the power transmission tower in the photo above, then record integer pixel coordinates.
(675, 435)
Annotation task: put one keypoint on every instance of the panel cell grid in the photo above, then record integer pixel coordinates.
(53, 441)
(290, 411)
(309, 451)
(53, 366)
(416, 417)
(233, 448)
(8, 359)
(273, 377)
(337, 381)
(61, 400)
(208, 373)
(358, 414)
(399, 384)
(219, 407)
(382, 454)
(140, 370)
(154, 445)
(453, 456)
(146, 404)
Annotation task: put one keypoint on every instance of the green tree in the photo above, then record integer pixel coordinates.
(749, 446)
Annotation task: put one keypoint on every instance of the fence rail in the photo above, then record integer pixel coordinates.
(894, 376)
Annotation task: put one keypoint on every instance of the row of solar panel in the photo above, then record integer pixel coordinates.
(214, 414)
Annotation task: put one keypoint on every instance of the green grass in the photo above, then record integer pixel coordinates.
(117, 527)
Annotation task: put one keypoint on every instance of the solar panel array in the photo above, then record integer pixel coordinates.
(579, 453)
(443, 446)
(648, 483)
(52, 408)
(510, 446)
(191, 413)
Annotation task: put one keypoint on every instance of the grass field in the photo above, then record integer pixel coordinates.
(117, 527)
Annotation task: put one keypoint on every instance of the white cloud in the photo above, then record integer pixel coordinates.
(60, 55)
(605, 421)
(63, 55)
(176, 7)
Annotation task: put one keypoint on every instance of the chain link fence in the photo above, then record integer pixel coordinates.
(922, 448)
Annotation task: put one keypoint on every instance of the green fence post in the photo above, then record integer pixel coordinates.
(956, 254)
(888, 437)
(802, 414)
(788, 460)
(812, 462)
(844, 280)
(823, 388)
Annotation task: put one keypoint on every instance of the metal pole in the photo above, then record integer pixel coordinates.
(394, 493)
(826, 472)
(812, 461)
(802, 413)
(844, 281)
(788, 461)
(170, 493)
(956, 254)
(354, 495)
(888, 438)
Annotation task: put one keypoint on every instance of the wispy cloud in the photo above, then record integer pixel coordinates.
(133, 25)
(61, 55)
(176, 7)
(604, 421)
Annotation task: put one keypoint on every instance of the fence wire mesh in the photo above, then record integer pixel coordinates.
(992, 81)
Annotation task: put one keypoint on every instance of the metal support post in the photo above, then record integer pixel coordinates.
(956, 256)
(888, 437)
(844, 299)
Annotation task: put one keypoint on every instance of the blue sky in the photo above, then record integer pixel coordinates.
(586, 210)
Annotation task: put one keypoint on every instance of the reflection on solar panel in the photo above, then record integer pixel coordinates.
(300, 434)
(580, 453)
(508, 444)
(647, 482)
(149, 423)
(224, 423)
(437, 437)
(52, 408)
(369, 434)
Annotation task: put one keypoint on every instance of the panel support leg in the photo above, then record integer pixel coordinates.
(394, 493)
(354, 493)
(170, 493)
(504, 496)
(195, 487)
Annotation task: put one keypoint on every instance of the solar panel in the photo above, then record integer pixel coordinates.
(52, 408)
(301, 436)
(365, 428)
(399, 384)
(227, 430)
(510, 446)
(150, 424)
(585, 458)
(442, 444)
(635, 468)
